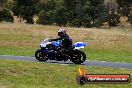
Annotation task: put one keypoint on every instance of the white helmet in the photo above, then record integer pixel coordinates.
(62, 32)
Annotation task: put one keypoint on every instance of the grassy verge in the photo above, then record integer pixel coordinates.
(109, 55)
(107, 45)
(16, 74)
(17, 51)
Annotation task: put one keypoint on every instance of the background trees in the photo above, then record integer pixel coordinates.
(2, 3)
(80, 13)
(124, 6)
(5, 15)
(25, 9)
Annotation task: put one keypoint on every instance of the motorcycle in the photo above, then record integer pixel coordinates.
(51, 50)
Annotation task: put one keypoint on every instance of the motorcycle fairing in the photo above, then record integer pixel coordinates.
(56, 43)
(79, 45)
(44, 44)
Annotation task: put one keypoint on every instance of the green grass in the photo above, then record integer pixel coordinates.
(18, 74)
(105, 45)
(17, 51)
(109, 55)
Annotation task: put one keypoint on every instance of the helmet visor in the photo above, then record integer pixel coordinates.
(60, 33)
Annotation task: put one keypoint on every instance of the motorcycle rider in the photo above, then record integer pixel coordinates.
(66, 41)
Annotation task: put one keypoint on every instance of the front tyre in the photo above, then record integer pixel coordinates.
(78, 57)
(40, 56)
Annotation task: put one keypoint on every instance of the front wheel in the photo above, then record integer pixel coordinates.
(40, 56)
(78, 57)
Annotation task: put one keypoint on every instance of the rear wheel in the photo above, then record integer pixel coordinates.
(78, 57)
(40, 56)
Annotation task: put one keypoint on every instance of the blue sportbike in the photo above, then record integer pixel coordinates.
(50, 50)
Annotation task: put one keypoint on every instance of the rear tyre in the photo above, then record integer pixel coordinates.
(40, 56)
(78, 57)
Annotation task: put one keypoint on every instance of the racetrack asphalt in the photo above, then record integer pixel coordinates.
(86, 63)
